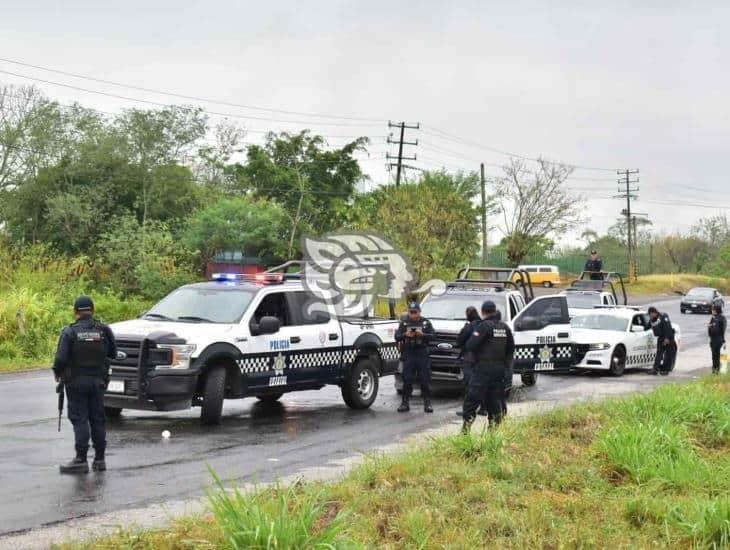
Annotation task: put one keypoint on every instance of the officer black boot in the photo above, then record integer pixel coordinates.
(427, 405)
(404, 404)
(78, 465)
(466, 426)
(99, 464)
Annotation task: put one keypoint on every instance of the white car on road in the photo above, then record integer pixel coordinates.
(615, 338)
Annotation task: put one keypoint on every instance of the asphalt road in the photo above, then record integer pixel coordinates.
(255, 443)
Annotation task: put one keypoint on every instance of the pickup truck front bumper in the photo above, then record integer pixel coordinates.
(135, 384)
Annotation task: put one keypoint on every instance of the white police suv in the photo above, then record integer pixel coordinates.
(244, 336)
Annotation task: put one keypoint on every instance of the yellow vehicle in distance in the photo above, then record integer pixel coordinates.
(545, 275)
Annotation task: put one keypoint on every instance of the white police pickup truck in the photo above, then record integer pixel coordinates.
(244, 336)
(541, 326)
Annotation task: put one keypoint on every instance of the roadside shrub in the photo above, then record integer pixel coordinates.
(279, 519)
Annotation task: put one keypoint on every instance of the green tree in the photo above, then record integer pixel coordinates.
(312, 183)
(256, 227)
(434, 225)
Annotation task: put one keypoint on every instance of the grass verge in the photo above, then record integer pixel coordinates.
(676, 283)
(639, 472)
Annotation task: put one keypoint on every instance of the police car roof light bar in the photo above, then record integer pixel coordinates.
(260, 278)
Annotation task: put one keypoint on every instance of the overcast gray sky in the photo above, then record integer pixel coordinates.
(599, 84)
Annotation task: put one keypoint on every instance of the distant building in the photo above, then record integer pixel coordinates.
(234, 262)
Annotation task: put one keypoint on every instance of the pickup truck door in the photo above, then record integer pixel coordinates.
(542, 336)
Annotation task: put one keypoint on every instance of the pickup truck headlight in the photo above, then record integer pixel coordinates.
(599, 347)
(181, 355)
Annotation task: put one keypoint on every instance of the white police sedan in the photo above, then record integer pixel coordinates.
(615, 338)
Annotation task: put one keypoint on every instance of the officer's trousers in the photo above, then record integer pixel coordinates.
(417, 364)
(716, 347)
(665, 356)
(85, 396)
(486, 384)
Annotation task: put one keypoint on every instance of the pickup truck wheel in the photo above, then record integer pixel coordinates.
(618, 362)
(112, 412)
(360, 388)
(529, 378)
(269, 398)
(215, 386)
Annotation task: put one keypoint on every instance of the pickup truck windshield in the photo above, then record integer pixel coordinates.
(190, 304)
(583, 301)
(600, 322)
(452, 307)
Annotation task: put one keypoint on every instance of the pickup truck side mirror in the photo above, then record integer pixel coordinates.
(528, 323)
(266, 325)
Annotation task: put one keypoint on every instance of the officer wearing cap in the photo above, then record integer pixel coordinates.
(594, 266)
(494, 347)
(666, 346)
(82, 363)
(413, 335)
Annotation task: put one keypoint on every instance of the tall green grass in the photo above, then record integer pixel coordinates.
(275, 519)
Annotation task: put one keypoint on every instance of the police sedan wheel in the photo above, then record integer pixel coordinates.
(618, 362)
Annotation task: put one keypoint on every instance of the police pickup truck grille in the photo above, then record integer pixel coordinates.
(444, 353)
(127, 368)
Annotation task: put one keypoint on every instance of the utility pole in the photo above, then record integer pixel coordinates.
(635, 217)
(628, 193)
(401, 142)
(484, 218)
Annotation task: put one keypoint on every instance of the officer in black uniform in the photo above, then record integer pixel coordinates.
(82, 363)
(494, 346)
(666, 348)
(716, 331)
(594, 266)
(467, 357)
(414, 333)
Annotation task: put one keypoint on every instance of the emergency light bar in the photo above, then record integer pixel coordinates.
(259, 278)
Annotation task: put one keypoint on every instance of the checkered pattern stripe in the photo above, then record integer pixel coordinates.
(641, 358)
(314, 359)
(306, 359)
(533, 352)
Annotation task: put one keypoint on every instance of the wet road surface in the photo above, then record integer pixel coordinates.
(256, 442)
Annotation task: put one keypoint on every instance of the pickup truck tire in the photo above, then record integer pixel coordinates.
(112, 412)
(360, 388)
(529, 378)
(215, 387)
(269, 398)
(618, 361)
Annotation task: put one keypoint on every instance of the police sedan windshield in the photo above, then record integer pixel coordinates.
(202, 304)
(600, 322)
(452, 307)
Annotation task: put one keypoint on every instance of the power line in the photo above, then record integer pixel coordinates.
(187, 97)
(452, 137)
(160, 104)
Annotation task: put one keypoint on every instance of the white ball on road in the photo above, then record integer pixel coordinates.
(166, 434)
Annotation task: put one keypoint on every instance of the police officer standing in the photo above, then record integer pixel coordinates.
(594, 266)
(414, 333)
(716, 331)
(666, 349)
(494, 347)
(467, 357)
(82, 362)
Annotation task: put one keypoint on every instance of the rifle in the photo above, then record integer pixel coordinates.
(60, 392)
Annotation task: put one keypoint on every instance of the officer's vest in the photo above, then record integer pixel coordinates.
(493, 350)
(88, 351)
